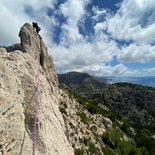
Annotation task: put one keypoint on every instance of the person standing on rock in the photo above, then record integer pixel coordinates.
(35, 25)
(37, 28)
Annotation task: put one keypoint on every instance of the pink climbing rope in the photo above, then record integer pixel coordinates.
(36, 115)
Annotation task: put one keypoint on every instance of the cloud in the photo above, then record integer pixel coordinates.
(118, 70)
(135, 20)
(99, 27)
(77, 50)
(149, 71)
(103, 70)
(99, 13)
(137, 53)
(140, 72)
(14, 14)
(73, 11)
(77, 55)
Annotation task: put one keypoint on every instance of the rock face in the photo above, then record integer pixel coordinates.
(83, 128)
(20, 65)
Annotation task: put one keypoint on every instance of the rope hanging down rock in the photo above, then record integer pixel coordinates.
(36, 115)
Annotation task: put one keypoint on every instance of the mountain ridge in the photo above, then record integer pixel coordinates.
(81, 83)
(123, 135)
(121, 98)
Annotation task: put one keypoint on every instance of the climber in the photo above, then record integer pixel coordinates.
(37, 28)
(35, 25)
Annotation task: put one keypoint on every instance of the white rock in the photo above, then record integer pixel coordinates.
(18, 73)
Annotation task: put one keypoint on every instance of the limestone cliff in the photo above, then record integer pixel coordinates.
(19, 66)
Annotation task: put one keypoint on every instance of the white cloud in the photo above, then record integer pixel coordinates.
(135, 20)
(77, 51)
(73, 11)
(99, 13)
(118, 70)
(103, 70)
(77, 55)
(140, 72)
(99, 27)
(14, 14)
(137, 53)
(148, 71)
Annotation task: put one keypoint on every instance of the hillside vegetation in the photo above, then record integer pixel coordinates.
(129, 113)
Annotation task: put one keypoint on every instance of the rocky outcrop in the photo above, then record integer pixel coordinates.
(135, 102)
(19, 68)
(83, 129)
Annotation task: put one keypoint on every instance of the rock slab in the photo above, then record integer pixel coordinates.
(19, 69)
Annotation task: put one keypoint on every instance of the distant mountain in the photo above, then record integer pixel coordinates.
(129, 111)
(82, 83)
(134, 101)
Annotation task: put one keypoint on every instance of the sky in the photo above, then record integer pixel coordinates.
(100, 37)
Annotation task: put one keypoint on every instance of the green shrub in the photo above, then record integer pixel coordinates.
(83, 117)
(108, 151)
(79, 152)
(93, 128)
(71, 125)
(125, 127)
(94, 150)
(144, 139)
(115, 145)
(85, 141)
(62, 110)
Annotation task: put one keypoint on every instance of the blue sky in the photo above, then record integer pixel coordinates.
(101, 37)
(108, 4)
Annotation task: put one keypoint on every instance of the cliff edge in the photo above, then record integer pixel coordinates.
(20, 66)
